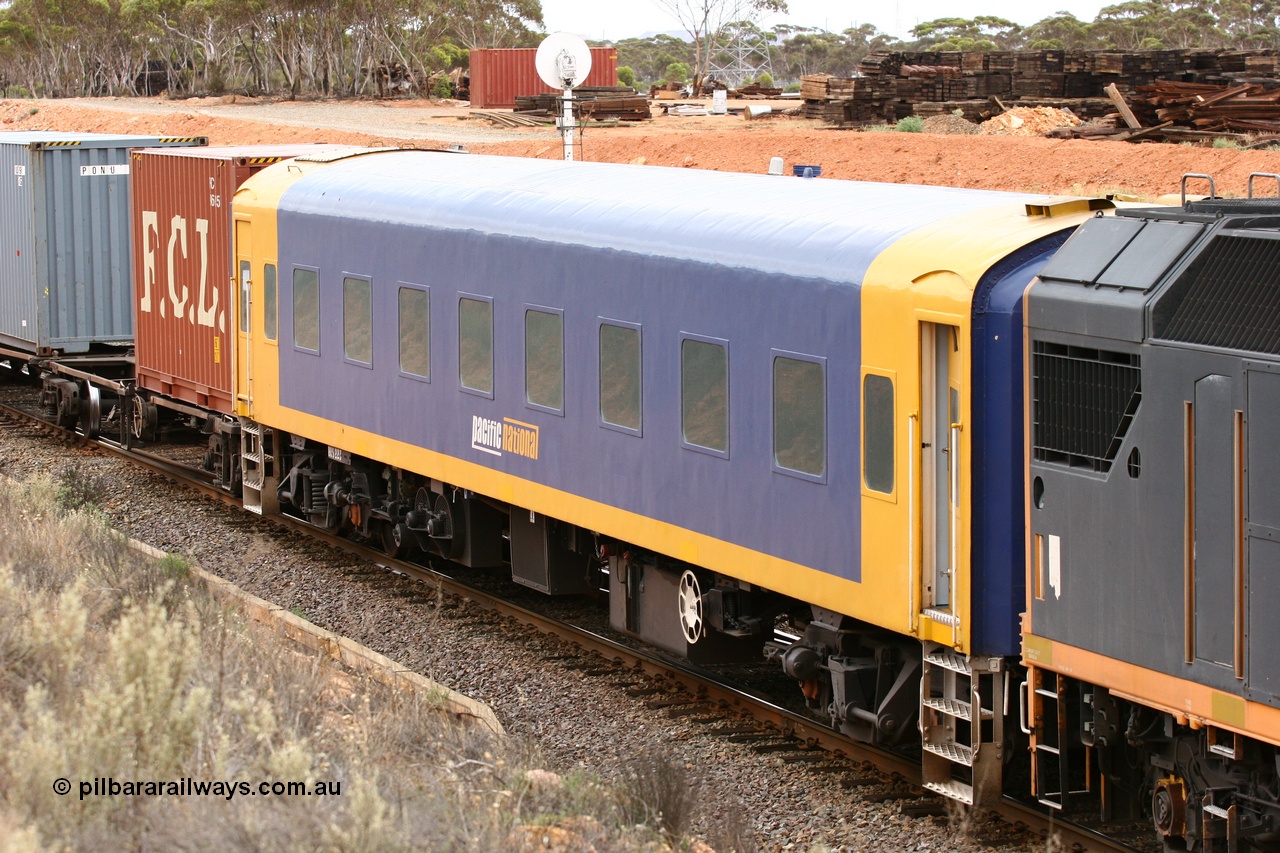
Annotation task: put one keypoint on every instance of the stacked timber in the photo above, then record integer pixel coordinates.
(590, 102)
(845, 100)
(892, 84)
(1246, 108)
(754, 91)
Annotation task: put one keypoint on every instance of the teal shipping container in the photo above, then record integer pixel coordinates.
(65, 262)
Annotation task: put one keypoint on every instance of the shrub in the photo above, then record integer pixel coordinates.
(677, 72)
(765, 79)
(1224, 142)
(626, 76)
(910, 124)
(116, 666)
(79, 488)
(660, 791)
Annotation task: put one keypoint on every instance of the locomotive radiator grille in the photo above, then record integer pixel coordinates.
(1229, 298)
(1084, 401)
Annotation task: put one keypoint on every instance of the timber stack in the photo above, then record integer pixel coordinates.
(590, 102)
(891, 85)
(1246, 108)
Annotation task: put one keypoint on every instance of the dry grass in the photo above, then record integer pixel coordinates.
(115, 666)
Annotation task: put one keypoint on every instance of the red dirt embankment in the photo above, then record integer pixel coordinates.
(729, 143)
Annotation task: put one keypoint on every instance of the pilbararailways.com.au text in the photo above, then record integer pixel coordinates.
(188, 787)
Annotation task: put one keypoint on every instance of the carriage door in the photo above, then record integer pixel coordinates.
(939, 471)
(240, 286)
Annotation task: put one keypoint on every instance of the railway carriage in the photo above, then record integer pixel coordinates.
(728, 400)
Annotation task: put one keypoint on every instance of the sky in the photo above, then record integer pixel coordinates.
(612, 20)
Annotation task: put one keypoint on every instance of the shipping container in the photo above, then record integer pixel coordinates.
(65, 277)
(497, 76)
(183, 303)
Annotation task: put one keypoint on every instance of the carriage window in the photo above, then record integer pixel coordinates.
(877, 433)
(475, 344)
(269, 299)
(620, 376)
(704, 394)
(357, 320)
(415, 331)
(544, 359)
(306, 309)
(799, 415)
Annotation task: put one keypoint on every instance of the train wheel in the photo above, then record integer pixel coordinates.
(397, 541)
(1169, 811)
(689, 604)
(68, 404)
(91, 412)
(144, 418)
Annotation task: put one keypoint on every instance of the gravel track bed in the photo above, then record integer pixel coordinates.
(572, 719)
(392, 119)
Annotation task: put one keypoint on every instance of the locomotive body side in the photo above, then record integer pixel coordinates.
(1153, 352)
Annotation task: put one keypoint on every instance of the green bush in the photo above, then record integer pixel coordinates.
(677, 72)
(1223, 142)
(765, 79)
(626, 76)
(117, 666)
(79, 488)
(910, 124)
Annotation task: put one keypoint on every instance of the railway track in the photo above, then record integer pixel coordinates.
(658, 681)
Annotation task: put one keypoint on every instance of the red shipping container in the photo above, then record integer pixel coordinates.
(180, 217)
(497, 76)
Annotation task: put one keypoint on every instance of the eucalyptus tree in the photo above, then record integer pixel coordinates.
(496, 23)
(706, 21)
(1249, 24)
(1131, 25)
(300, 47)
(984, 32)
(796, 51)
(650, 56)
(1060, 31)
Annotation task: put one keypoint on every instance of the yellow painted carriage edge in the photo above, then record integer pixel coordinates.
(736, 561)
(905, 286)
(1195, 704)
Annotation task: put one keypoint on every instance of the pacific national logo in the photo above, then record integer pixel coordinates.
(504, 436)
